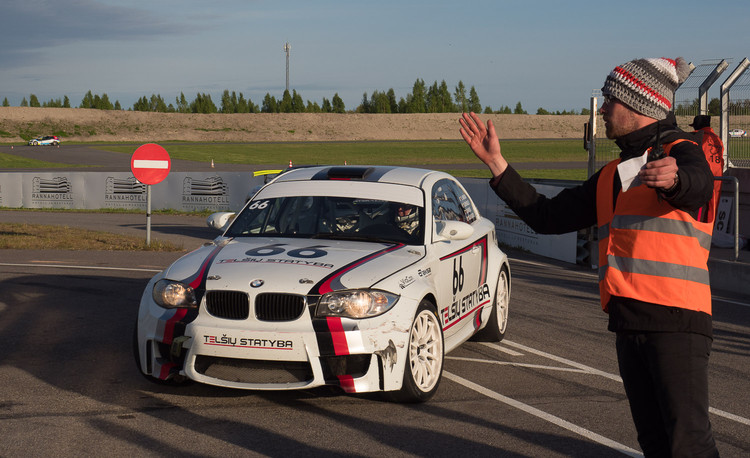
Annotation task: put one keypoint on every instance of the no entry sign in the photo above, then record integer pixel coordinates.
(150, 163)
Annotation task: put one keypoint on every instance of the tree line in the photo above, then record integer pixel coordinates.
(437, 98)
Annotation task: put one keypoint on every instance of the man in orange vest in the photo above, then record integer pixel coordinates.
(653, 249)
(713, 149)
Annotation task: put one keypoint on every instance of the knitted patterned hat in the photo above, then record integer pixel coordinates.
(647, 85)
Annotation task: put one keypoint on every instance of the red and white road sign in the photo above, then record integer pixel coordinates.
(150, 163)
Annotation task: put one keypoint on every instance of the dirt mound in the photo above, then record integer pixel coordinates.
(86, 125)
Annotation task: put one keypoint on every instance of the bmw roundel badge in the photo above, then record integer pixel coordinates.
(257, 283)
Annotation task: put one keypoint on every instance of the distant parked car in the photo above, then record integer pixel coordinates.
(737, 133)
(53, 140)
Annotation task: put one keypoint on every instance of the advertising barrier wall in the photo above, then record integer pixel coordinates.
(512, 231)
(187, 191)
(227, 191)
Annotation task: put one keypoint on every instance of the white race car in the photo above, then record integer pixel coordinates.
(53, 140)
(357, 277)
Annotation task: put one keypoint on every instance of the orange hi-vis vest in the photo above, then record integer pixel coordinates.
(648, 250)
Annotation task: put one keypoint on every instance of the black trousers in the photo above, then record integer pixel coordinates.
(666, 380)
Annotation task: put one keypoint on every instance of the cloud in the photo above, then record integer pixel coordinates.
(28, 28)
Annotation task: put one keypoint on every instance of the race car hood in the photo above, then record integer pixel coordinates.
(299, 266)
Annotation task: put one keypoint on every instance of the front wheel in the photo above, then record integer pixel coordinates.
(425, 356)
(494, 331)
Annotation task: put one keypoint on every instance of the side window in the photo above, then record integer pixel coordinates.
(446, 205)
(465, 202)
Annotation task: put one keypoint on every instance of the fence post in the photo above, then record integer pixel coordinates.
(592, 137)
(724, 120)
(710, 80)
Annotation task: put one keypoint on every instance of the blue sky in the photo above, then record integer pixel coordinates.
(543, 53)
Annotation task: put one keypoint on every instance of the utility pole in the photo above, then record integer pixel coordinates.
(287, 48)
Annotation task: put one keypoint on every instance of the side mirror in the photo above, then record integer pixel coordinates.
(453, 230)
(220, 220)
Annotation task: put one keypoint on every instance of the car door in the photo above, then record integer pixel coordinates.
(462, 263)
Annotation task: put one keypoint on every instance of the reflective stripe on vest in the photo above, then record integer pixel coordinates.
(648, 250)
(669, 226)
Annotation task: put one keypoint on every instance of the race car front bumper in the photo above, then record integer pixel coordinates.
(356, 355)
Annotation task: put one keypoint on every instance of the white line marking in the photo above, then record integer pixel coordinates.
(61, 266)
(729, 416)
(532, 263)
(591, 370)
(559, 359)
(507, 363)
(502, 349)
(729, 301)
(543, 415)
(150, 164)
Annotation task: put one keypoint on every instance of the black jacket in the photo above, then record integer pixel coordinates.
(575, 208)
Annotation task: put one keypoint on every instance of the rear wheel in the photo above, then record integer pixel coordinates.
(425, 356)
(494, 331)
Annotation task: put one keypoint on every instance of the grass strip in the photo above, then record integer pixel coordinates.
(21, 236)
(406, 153)
(430, 154)
(11, 161)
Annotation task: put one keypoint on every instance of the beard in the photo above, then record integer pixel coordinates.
(623, 124)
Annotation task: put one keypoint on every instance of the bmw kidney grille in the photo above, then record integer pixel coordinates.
(279, 306)
(235, 305)
(232, 305)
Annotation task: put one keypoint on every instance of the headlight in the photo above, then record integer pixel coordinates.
(172, 294)
(355, 303)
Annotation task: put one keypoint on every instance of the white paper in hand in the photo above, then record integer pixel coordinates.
(629, 169)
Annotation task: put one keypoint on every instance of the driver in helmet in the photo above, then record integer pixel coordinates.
(407, 217)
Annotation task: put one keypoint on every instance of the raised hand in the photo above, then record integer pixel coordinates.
(483, 141)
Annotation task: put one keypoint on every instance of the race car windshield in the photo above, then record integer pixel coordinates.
(341, 218)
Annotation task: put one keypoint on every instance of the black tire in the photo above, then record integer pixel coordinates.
(497, 324)
(425, 357)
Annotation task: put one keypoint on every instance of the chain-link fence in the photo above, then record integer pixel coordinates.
(737, 143)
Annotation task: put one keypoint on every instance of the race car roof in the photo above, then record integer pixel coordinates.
(381, 174)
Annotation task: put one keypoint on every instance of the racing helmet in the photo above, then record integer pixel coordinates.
(407, 217)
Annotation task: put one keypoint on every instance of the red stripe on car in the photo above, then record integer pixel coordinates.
(340, 346)
(347, 383)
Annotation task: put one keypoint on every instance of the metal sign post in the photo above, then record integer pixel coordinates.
(150, 165)
(148, 215)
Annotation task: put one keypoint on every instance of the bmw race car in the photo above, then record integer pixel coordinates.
(53, 140)
(356, 277)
